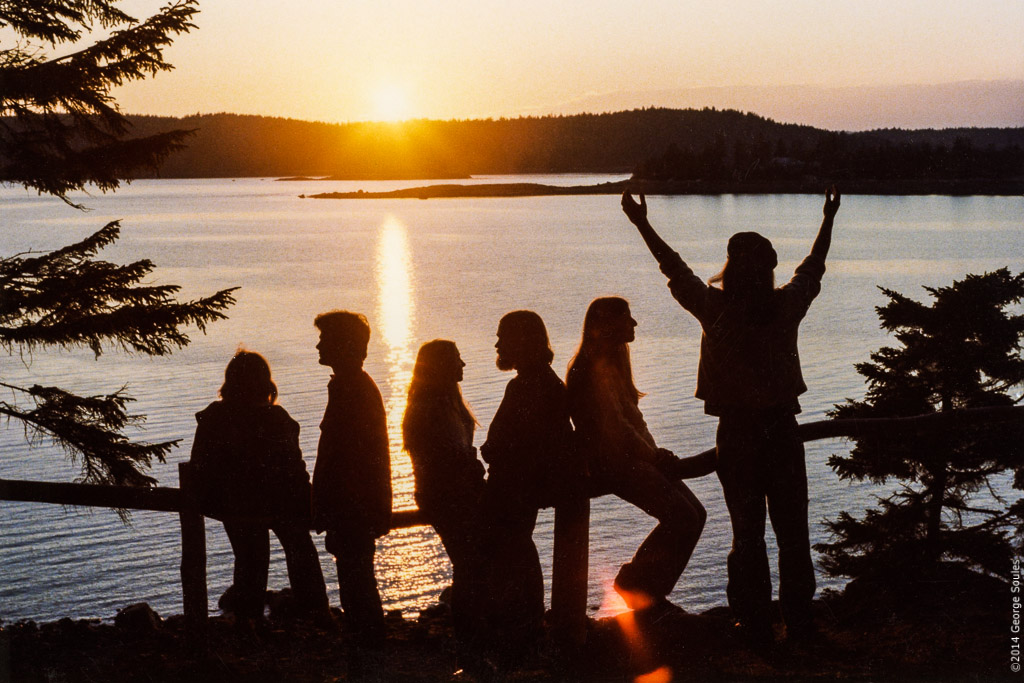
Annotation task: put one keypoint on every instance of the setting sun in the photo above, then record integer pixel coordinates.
(390, 103)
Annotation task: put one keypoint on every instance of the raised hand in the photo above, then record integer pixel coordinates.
(637, 213)
(831, 202)
(824, 239)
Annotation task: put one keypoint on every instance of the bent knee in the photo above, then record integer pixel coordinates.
(687, 515)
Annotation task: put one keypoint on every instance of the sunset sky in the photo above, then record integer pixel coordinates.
(834, 64)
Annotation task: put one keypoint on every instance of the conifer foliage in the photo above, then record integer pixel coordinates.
(963, 351)
(60, 130)
(60, 127)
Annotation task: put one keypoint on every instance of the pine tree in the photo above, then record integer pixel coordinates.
(963, 351)
(60, 130)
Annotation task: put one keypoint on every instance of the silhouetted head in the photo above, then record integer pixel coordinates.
(608, 328)
(749, 266)
(438, 363)
(343, 339)
(435, 399)
(609, 322)
(247, 379)
(522, 341)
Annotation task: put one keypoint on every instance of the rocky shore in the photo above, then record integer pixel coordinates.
(951, 630)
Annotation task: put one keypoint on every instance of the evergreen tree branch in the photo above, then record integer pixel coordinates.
(60, 130)
(67, 131)
(67, 299)
(54, 21)
(88, 429)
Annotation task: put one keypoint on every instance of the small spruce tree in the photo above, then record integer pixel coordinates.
(962, 351)
(60, 130)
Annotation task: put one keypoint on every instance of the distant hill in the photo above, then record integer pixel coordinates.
(654, 143)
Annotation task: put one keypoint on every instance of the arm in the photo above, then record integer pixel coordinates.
(694, 466)
(688, 289)
(824, 239)
(637, 214)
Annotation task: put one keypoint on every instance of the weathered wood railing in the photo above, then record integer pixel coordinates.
(572, 522)
(160, 499)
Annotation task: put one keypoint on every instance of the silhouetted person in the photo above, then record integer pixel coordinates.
(250, 471)
(623, 457)
(438, 432)
(352, 476)
(529, 453)
(749, 377)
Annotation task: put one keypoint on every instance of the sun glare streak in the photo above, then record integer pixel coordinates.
(660, 675)
(395, 313)
(612, 601)
(635, 638)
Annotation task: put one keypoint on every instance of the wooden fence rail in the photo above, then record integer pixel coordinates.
(572, 522)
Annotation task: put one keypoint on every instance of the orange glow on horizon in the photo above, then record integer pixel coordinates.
(449, 60)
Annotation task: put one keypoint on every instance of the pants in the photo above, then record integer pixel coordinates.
(515, 580)
(662, 557)
(251, 546)
(458, 528)
(357, 584)
(761, 458)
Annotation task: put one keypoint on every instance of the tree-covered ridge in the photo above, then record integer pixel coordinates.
(879, 155)
(655, 143)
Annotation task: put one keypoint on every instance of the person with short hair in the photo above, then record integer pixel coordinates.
(352, 475)
(749, 377)
(247, 462)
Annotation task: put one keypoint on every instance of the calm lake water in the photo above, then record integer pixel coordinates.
(443, 268)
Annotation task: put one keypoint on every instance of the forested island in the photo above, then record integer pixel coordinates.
(675, 151)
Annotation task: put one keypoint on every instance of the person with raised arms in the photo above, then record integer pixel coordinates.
(749, 377)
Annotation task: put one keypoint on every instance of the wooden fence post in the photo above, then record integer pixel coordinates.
(193, 561)
(569, 573)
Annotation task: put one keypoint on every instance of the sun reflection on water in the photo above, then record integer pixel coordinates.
(410, 562)
(395, 317)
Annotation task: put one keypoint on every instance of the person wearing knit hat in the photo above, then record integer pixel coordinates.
(749, 377)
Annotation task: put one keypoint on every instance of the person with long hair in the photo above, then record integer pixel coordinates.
(530, 465)
(438, 433)
(624, 459)
(251, 475)
(749, 377)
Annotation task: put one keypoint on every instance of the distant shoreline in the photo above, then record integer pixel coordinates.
(368, 177)
(955, 188)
